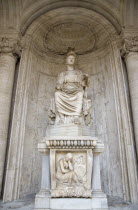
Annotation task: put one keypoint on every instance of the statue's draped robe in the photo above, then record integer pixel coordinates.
(69, 97)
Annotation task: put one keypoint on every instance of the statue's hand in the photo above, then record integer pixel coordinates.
(85, 80)
(67, 91)
(58, 87)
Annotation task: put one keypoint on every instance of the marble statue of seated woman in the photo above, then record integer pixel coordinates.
(71, 103)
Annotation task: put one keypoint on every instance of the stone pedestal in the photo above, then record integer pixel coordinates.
(84, 195)
(69, 130)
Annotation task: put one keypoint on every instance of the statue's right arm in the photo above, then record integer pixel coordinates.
(58, 86)
(62, 167)
(60, 81)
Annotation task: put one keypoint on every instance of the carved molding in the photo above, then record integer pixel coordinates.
(130, 45)
(10, 46)
(70, 142)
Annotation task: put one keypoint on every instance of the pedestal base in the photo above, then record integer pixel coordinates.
(66, 130)
(42, 200)
(83, 153)
(97, 202)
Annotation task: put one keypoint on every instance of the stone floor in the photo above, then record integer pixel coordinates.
(27, 203)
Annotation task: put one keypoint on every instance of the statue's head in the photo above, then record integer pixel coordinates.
(68, 156)
(71, 56)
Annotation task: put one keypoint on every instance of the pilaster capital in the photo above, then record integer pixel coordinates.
(8, 45)
(130, 45)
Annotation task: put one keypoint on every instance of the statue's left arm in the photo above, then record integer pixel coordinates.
(85, 83)
(70, 166)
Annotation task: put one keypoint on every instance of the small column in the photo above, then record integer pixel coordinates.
(96, 179)
(42, 199)
(99, 199)
(130, 55)
(45, 182)
(8, 58)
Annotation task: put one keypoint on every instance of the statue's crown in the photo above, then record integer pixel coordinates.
(71, 51)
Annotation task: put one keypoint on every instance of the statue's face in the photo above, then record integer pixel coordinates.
(70, 60)
(68, 159)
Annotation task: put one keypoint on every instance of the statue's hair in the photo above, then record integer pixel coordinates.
(71, 51)
(69, 155)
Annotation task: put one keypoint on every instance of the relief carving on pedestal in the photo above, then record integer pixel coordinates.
(71, 175)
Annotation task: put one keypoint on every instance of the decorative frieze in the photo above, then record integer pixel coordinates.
(71, 142)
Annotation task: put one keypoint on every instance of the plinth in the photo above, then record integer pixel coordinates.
(70, 170)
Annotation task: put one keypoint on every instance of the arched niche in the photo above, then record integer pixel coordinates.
(34, 11)
(38, 70)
